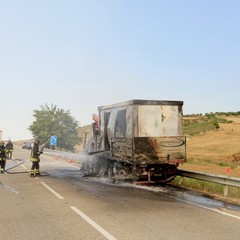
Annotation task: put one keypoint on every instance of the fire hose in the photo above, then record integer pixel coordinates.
(18, 162)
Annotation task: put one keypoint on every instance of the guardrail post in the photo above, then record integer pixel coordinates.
(180, 181)
(219, 179)
(225, 191)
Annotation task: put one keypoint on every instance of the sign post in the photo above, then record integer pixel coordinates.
(53, 141)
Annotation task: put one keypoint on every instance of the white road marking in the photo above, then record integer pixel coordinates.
(23, 167)
(207, 208)
(93, 224)
(52, 191)
(195, 204)
(8, 188)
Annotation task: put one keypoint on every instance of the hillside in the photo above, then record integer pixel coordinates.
(81, 134)
(213, 150)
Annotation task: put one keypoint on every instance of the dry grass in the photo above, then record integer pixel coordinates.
(213, 151)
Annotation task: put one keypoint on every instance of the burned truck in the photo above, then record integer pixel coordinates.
(137, 140)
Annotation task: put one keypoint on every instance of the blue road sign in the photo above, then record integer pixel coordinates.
(53, 140)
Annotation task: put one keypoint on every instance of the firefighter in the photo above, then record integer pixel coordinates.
(35, 159)
(9, 149)
(2, 157)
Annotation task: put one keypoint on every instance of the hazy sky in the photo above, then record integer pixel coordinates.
(79, 55)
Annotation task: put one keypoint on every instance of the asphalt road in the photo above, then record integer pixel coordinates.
(63, 205)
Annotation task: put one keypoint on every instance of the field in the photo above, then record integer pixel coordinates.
(213, 146)
(213, 151)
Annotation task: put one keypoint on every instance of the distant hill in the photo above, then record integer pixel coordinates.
(81, 134)
(197, 124)
(212, 142)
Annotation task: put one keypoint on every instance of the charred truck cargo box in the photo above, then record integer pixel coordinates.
(141, 140)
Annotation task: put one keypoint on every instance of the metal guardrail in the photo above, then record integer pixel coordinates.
(220, 179)
(73, 157)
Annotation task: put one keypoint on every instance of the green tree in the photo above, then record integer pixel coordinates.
(54, 121)
(216, 124)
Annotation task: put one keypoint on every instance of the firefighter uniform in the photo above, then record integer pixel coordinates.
(2, 157)
(9, 149)
(35, 159)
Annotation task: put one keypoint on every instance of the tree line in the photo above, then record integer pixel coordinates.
(214, 113)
